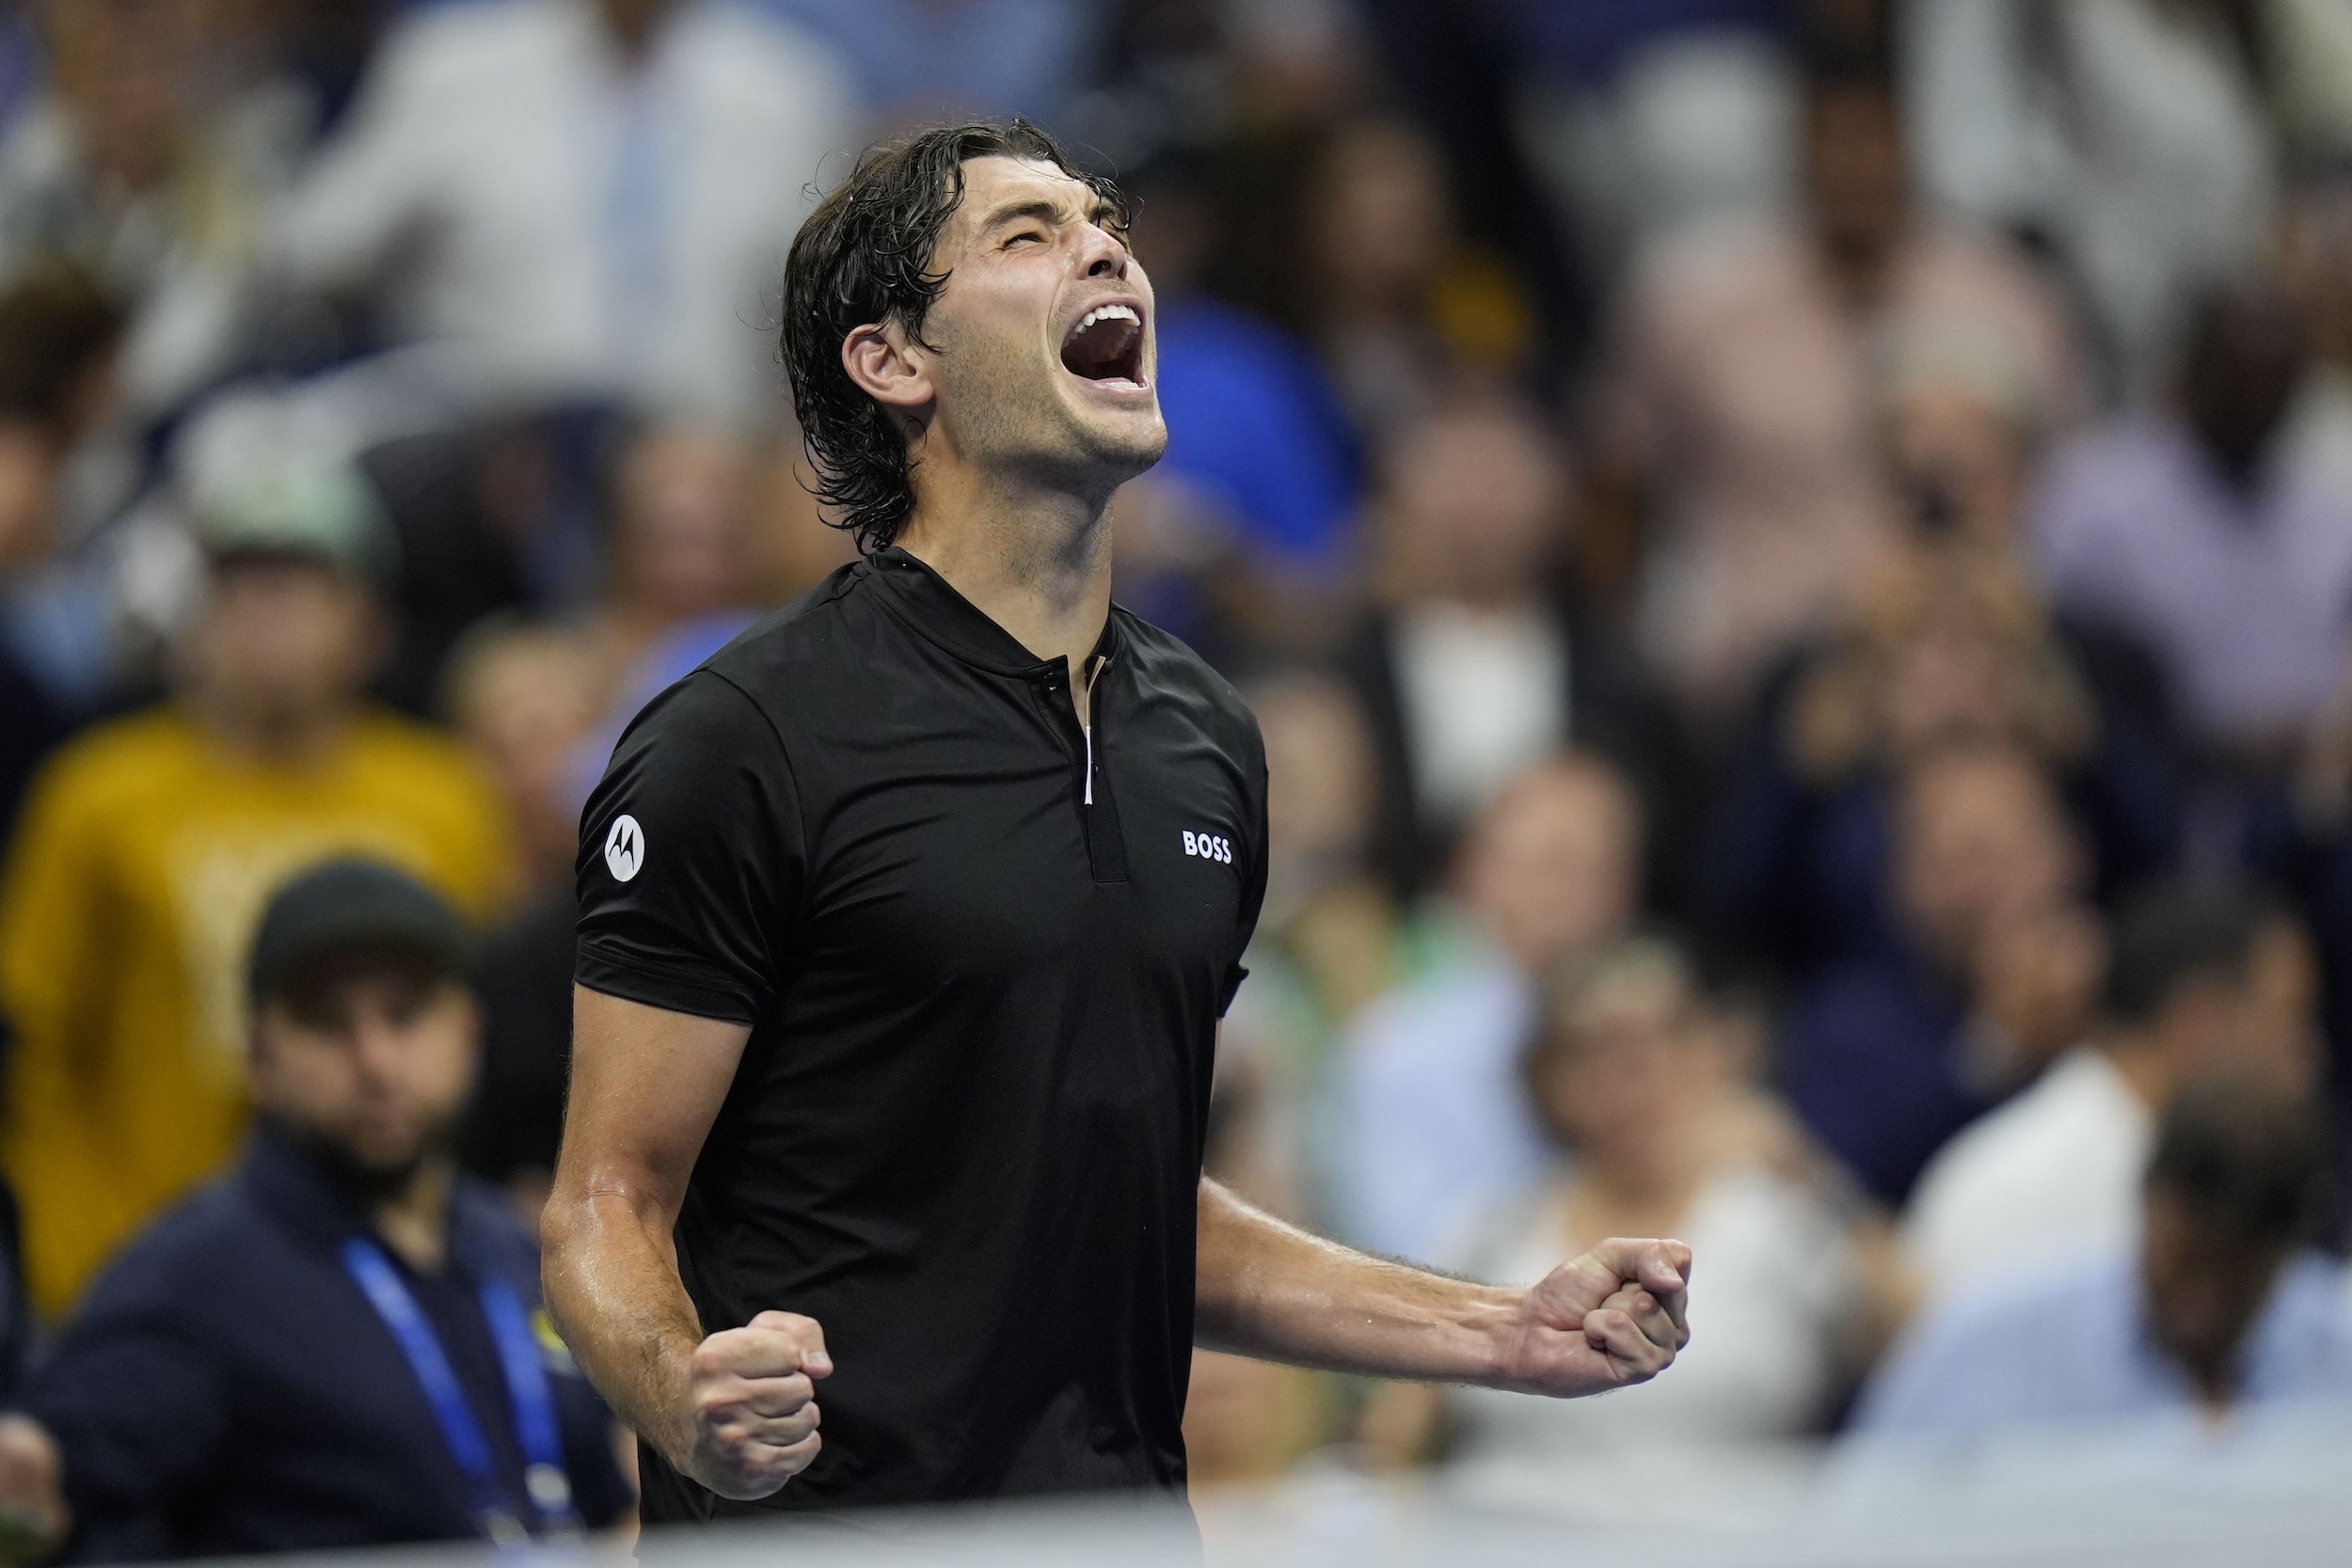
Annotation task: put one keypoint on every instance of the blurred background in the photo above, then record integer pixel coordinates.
(1794, 558)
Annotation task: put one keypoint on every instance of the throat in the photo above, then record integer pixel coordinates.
(414, 1221)
(1045, 581)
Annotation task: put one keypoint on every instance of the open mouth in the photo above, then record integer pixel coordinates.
(1106, 345)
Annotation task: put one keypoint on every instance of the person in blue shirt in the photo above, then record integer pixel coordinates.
(341, 1342)
(2218, 1319)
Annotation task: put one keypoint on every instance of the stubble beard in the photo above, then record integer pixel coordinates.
(1014, 417)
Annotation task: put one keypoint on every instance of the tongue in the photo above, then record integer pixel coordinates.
(1100, 353)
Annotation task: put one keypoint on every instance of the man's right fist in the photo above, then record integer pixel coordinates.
(751, 1404)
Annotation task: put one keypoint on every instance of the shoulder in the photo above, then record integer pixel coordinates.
(2043, 1342)
(144, 752)
(2024, 1134)
(186, 1260)
(781, 659)
(2112, 463)
(2086, 1294)
(1434, 1019)
(1167, 670)
(387, 736)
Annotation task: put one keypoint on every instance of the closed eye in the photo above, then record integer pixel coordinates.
(1029, 234)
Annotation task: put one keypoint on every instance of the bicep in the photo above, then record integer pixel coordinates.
(646, 1085)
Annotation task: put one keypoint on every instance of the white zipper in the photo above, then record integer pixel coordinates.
(1086, 729)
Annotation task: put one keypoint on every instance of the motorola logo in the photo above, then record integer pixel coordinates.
(625, 849)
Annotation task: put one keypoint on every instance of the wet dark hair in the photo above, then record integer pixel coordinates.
(863, 257)
(2247, 1157)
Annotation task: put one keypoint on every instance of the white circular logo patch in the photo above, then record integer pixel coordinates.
(625, 849)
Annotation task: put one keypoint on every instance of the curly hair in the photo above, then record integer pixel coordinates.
(863, 258)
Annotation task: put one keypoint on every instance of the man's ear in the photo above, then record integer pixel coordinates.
(886, 363)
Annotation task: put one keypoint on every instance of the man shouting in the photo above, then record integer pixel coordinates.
(906, 925)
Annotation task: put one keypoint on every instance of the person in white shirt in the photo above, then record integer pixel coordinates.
(1643, 1088)
(2198, 978)
(590, 198)
(1429, 1121)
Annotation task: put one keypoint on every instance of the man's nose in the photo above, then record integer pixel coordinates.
(376, 1045)
(1104, 254)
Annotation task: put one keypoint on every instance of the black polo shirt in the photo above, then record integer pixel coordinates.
(982, 959)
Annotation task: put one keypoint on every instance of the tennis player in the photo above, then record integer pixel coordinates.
(906, 925)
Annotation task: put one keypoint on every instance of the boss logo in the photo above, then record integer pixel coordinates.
(1209, 847)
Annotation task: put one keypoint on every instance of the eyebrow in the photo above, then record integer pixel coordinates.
(1044, 211)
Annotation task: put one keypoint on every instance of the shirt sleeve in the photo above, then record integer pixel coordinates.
(1253, 886)
(692, 861)
(139, 1414)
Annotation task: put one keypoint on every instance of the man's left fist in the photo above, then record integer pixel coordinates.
(1608, 1320)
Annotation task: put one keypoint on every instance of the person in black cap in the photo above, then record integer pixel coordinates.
(341, 1343)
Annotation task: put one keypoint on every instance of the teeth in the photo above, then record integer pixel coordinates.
(1110, 312)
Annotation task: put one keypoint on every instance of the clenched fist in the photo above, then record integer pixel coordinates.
(750, 1405)
(1614, 1317)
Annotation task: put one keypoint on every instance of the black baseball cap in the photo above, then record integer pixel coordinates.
(347, 904)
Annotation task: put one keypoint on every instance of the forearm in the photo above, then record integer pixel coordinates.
(611, 1275)
(1270, 1290)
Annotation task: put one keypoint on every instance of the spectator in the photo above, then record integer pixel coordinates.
(148, 845)
(590, 196)
(1738, 413)
(1946, 644)
(1891, 1051)
(2176, 527)
(1329, 938)
(477, 510)
(679, 575)
(1371, 269)
(1260, 536)
(59, 334)
(521, 695)
(1431, 1123)
(1646, 119)
(2215, 1315)
(2130, 137)
(148, 157)
(679, 578)
(1477, 663)
(1644, 1085)
(1964, 437)
(2316, 257)
(2199, 981)
(226, 1390)
(919, 62)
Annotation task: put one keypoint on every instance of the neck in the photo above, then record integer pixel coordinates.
(1038, 562)
(2144, 1066)
(263, 735)
(631, 24)
(414, 1222)
(1656, 1176)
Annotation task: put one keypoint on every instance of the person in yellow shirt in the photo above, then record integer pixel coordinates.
(147, 845)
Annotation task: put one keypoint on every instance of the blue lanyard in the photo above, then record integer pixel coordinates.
(537, 1428)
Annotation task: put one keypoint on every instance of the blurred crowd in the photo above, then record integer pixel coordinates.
(1794, 559)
